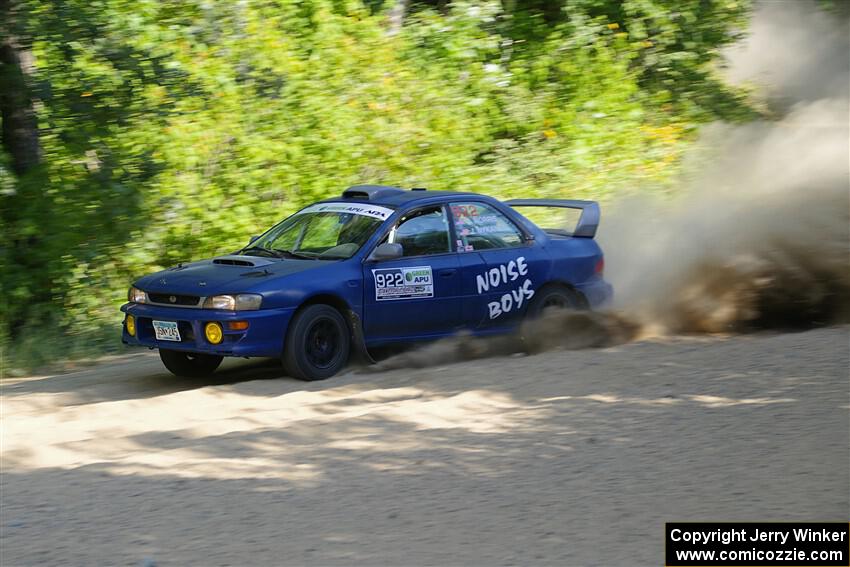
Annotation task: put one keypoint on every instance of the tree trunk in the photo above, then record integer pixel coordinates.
(396, 16)
(19, 135)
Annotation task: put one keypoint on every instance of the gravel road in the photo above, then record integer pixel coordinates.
(563, 458)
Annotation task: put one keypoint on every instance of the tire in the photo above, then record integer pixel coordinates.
(189, 364)
(552, 297)
(318, 343)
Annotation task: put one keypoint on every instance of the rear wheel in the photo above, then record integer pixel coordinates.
(317, 343)
(550, 298)
(189, 364)
(538, 333)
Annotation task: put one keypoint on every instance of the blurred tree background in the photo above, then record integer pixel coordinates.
(139, 134)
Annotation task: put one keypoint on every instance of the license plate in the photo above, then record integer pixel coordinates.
(166, 331)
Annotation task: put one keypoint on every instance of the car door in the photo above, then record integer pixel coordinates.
(416, 296)
(501, 267)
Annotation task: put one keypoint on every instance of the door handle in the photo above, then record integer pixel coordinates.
(448, 273)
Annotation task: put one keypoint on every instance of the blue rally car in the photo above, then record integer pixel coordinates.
(376, 266)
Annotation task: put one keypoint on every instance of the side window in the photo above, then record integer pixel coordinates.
(423, 232)
(481, 227)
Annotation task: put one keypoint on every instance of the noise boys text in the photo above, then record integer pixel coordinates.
(503, 274)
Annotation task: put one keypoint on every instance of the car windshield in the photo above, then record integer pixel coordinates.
(332, 231)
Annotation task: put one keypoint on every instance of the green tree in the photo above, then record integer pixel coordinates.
(169, 130)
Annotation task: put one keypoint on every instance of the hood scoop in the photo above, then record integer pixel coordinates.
(241, 261)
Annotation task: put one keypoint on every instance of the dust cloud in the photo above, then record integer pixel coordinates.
(760, 240)
(759, 236)
(555, 329)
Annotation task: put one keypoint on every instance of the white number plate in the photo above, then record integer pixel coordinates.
(166, 331)
(403, 283)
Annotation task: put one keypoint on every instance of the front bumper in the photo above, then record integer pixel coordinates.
(264, 336)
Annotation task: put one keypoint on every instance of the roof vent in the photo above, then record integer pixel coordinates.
(419, 189)
(370, 192)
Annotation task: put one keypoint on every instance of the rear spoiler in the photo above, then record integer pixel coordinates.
(587, 222)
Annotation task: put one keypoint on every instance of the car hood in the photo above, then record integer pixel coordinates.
(224, 274)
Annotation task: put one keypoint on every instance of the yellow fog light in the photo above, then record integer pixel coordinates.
(130, 322)
(213, 333)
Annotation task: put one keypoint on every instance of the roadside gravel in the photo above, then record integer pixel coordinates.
(563, 458)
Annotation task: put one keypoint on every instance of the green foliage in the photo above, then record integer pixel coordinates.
(172, 130)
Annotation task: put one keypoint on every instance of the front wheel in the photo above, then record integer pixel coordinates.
(189, 364)
(317, 343)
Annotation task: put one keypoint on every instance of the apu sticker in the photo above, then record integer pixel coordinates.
(373, 211)
(403, 283)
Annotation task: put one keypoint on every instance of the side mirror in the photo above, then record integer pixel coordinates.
(253, 239)
(387, 251)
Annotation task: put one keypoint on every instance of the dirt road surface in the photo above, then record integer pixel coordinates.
(564, 458)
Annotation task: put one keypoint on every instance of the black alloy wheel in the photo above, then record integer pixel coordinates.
(554, 297)
(317, 344)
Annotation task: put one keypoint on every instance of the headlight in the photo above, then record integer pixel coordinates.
(135, 295)
(239, 302)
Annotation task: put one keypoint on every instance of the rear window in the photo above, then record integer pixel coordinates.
(554, 220)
